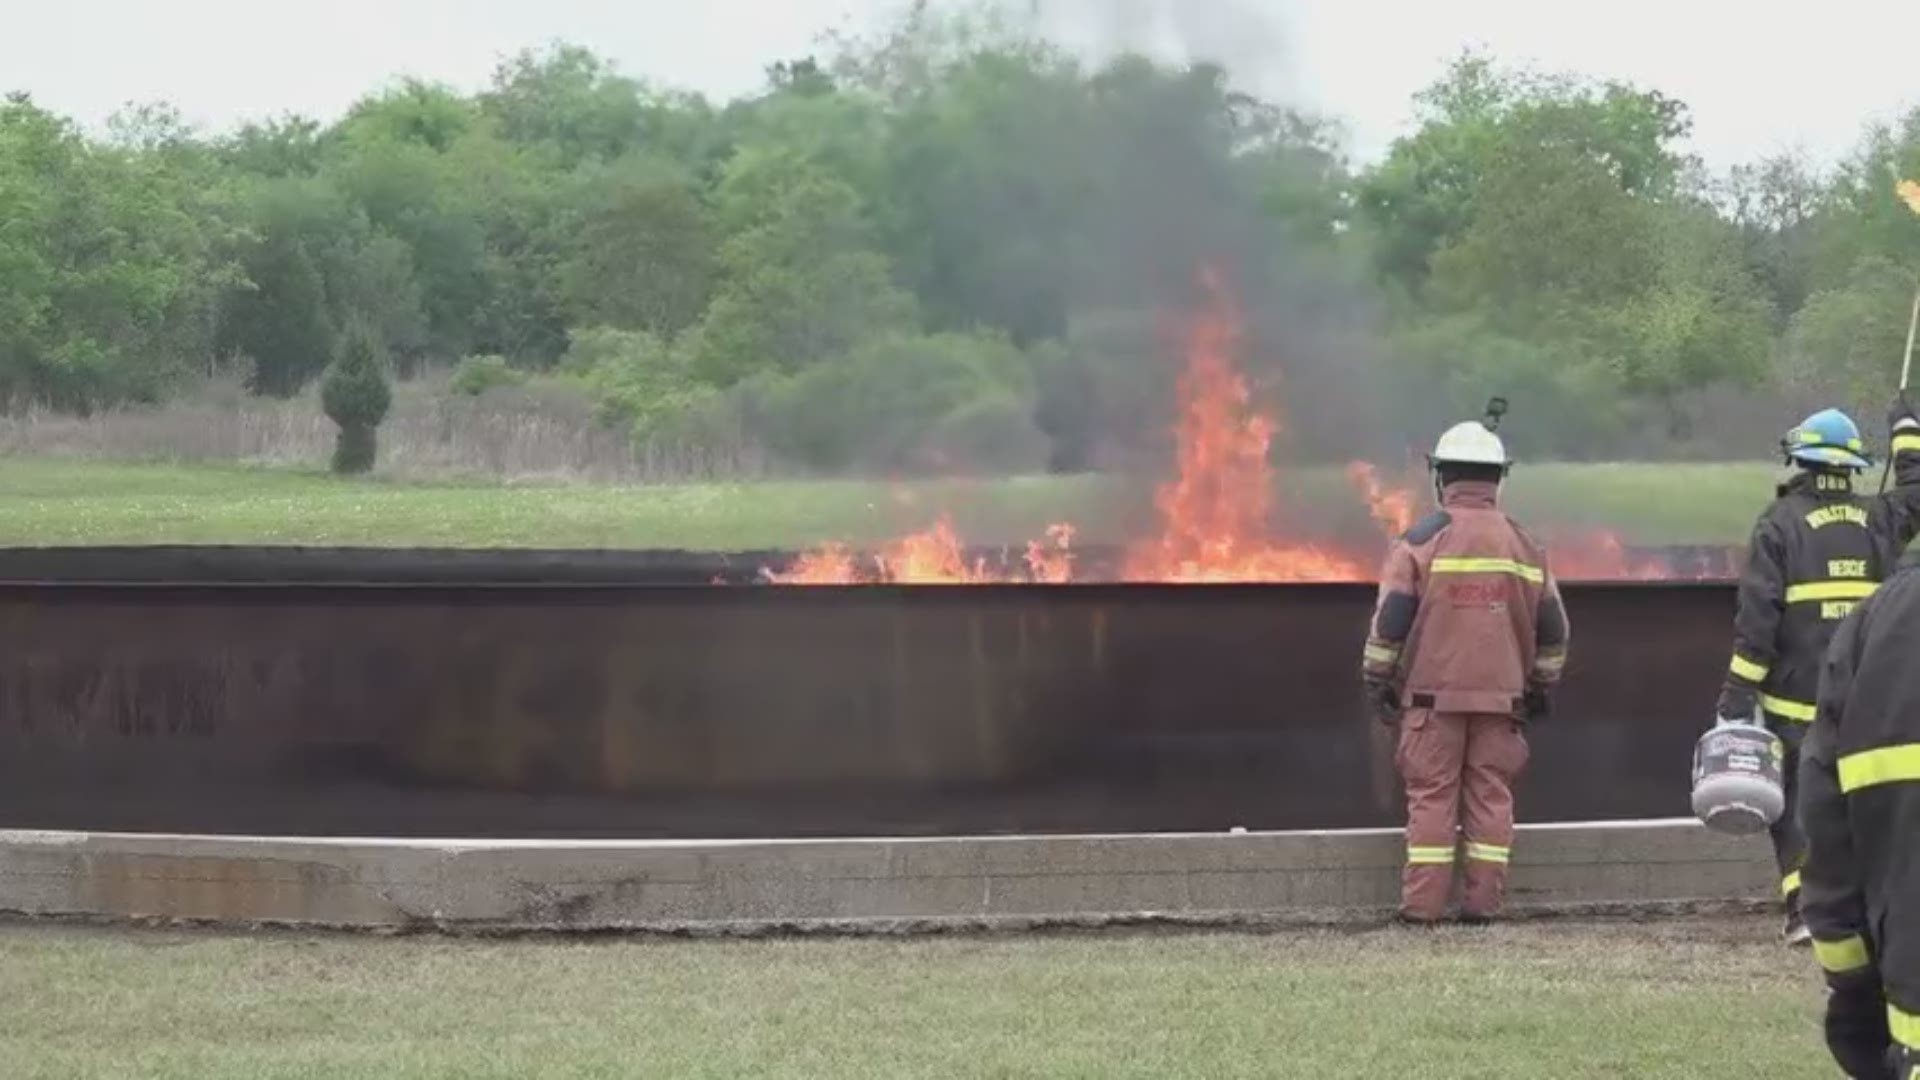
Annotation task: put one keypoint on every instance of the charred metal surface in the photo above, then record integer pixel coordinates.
(594, 710)
(281, 565)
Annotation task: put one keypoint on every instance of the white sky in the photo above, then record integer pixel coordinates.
(1808, 77)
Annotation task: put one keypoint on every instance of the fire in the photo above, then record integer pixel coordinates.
(1215, 514)
(1392, 508)
(1909, 193)
(1050, 562)
(934, 557)
(832, 564)
(1601, 556)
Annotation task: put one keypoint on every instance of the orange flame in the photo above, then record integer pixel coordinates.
(1215, 512)
(1602, 556)
(934, 557)
(1393, 508)
(832, 564)
(1050, 562)
(1909, 193)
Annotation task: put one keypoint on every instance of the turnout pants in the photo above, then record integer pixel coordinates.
(1789, 844)
(1459, 770)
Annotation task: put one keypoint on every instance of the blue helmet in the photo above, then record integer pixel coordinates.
(1828, 438)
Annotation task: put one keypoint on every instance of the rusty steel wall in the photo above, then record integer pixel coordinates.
(602, 710)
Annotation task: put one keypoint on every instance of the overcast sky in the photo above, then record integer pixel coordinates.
(1757, 82)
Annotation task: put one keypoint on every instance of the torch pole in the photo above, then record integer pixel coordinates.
(1906, 372)
(1906, 358)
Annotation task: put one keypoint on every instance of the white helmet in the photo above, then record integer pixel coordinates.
(1470, 443)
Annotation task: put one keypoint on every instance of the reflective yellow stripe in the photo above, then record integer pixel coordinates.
(1887, 765)
(1815, 591)
(1747, 669)
(1550, 665)
(1790, 884)
(1793, 710)
(1903, 1026)
(1840, 957)
(1905, 444)
(1429, 856)
(1380, 654)
(1488, 853)
(1490, 566)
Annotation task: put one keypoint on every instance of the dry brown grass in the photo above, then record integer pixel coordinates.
(542, 432)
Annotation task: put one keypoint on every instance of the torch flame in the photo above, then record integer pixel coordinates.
(1909, 193)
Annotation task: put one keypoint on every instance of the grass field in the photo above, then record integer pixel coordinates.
(1693, 999)
(66, 502)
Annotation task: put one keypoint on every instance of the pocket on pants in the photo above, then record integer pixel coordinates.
(1423, 755)
(1514, 752)
(1412, 722)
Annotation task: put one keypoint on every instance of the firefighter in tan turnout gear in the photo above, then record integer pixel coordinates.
(1468, 639)
(1816, 552)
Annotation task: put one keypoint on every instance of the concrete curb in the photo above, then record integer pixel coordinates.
(731, 888)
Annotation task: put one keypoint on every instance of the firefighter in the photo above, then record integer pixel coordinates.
(1467, 640)
(1816, 552)
(1860, 809)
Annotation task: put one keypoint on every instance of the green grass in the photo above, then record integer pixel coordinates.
(1696, 1000)
(65, 502)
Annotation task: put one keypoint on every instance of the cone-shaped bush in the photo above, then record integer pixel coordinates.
(356, 397)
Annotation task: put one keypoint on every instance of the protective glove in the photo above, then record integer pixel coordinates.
(1737, 703)
(1902, 415)
(1856, 1027)
(1384, 700)
(1538, 705)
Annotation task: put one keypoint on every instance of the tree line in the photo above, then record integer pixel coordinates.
(952, 246)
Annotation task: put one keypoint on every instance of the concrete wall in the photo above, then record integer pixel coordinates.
(851, 884)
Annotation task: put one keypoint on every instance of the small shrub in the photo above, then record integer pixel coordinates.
(355, 396)
(877, 407)
(476, 375)
(992, 434)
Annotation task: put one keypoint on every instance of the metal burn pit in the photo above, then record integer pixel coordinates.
(556, 694)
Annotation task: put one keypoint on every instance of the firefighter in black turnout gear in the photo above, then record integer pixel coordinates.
(1860, 807)
(1817, 552)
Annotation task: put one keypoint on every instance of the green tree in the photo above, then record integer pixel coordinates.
(1480, 122)
(947, 401)
(314, 263)
(570, 103)
(1846, 341)
(637, 254)
(1778, 205)
(356, 397)
(398, 160)
(278, 320)
(800, 283)
(113, 258)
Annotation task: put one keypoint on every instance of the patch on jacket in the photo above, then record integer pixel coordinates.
(1478, 594)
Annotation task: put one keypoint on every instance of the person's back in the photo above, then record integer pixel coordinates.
(1467, 639)
(1860, 807)
(1473, 644)
(1817, 551)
